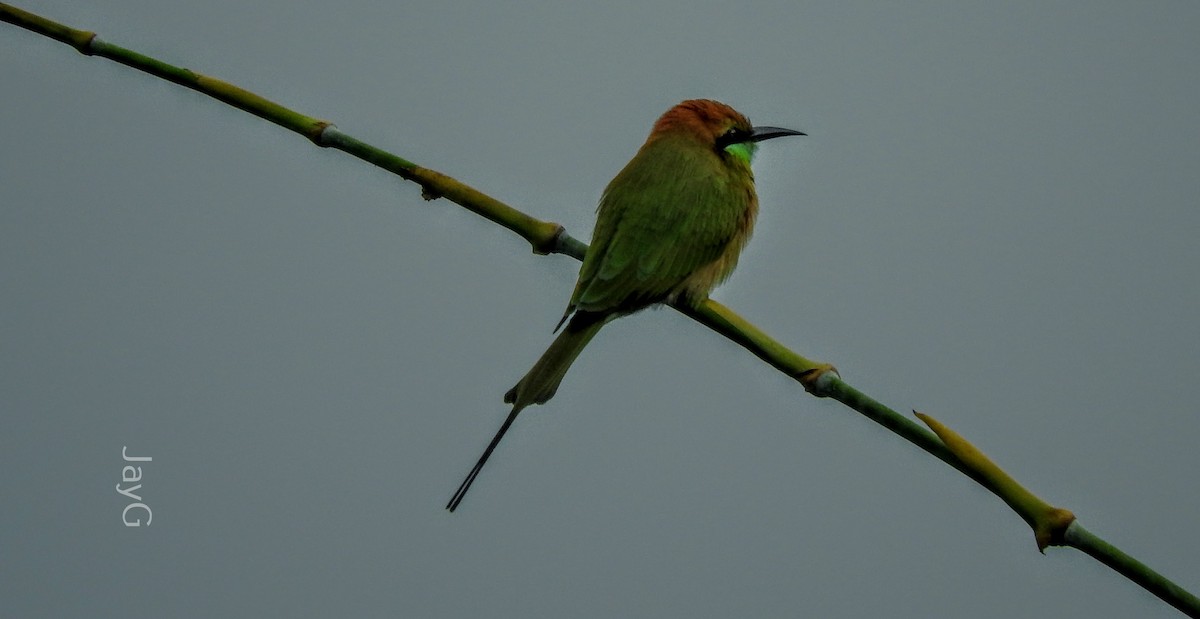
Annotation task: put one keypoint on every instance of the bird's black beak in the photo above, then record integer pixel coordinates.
(758, 134)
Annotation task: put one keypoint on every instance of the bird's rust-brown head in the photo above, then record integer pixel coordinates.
(717, 125)
(703, 118)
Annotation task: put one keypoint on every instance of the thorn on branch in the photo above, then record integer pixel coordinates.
(1049, 523)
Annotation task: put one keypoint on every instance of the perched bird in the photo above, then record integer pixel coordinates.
(669, 228)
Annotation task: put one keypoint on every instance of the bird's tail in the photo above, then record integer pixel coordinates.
(538, 385)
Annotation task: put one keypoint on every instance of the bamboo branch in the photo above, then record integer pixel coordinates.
(1052, 526)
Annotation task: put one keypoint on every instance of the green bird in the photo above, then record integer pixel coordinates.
(669, 228)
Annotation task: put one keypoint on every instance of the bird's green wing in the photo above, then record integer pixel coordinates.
(671, 211)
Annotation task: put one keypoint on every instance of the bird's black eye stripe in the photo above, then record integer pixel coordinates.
(733, 136)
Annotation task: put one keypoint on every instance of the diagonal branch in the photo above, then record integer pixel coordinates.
(1052, 526)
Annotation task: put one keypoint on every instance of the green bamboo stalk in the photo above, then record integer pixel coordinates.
(1052, 526)
(1100, 550)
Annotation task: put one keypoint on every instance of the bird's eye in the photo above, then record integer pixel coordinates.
(732, 136)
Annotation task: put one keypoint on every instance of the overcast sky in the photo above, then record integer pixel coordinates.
(994, 221)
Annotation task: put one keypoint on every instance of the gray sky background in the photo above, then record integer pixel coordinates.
(994, 221)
